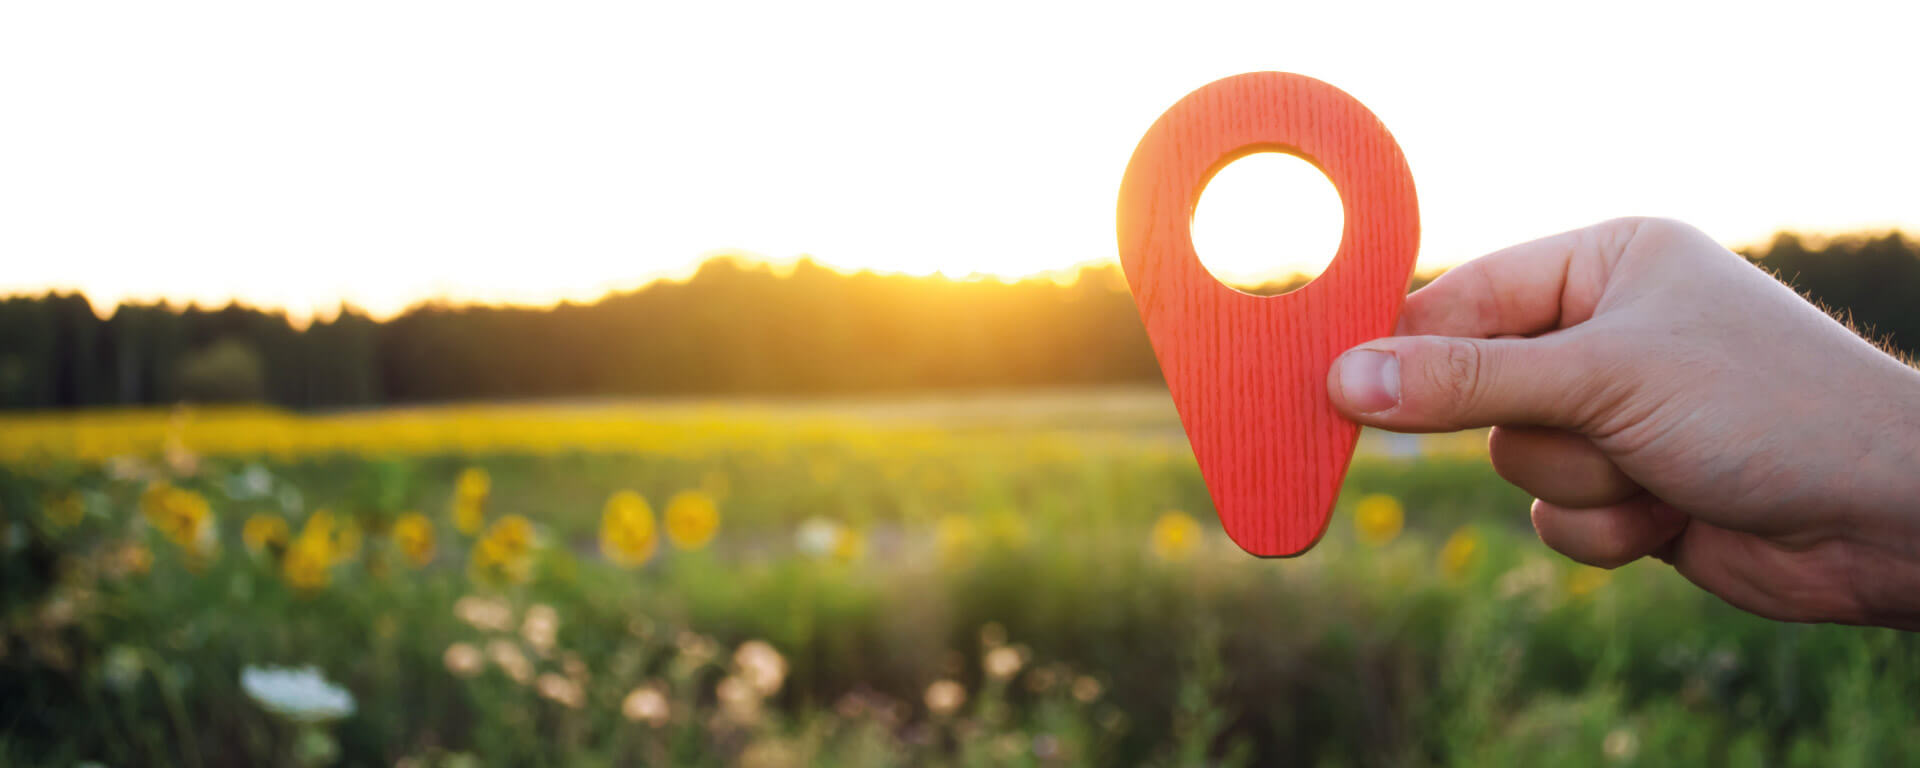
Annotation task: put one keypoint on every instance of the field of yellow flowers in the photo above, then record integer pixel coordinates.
(1015, 581)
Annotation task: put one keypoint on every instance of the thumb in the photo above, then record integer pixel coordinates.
(1444, 383)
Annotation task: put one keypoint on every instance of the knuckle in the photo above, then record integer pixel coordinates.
(1454, 378)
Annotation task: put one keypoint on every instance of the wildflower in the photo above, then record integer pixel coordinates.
(1378, 518)
(307, 563)
(645, 704)
(265, 534)
(817, 536)
(559, 689)
(1086, 689)
(849, 546)
(1587, 579)
(463, 660)
(131, 559)
(1176, 535)
(313, 553)
(697, 649)
(507, 656)
(470, 500)
(1004, 662)
(956, 538)
(739, 702)
(487, 614)
(541, 628)
(761, 666)
(692, 520)
(1459, 554)
(65, 510)
(182, 516)
(505, 553)
(627, 534)
(413, 534)
(944, 697)
(301, 695)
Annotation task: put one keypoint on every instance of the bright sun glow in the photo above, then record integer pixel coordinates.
(1267, 217)
(385, 153)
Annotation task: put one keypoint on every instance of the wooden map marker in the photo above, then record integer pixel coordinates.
(1249, 373)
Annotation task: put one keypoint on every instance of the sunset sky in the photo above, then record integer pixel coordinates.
(383, 153)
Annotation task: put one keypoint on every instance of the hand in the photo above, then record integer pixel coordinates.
(1662, 396)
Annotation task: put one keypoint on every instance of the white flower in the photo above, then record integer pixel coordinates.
(297, 694)
(254, 482)
(541, 627)
(816, 536)
(1004, 662)
(761, 665)
(645, 704)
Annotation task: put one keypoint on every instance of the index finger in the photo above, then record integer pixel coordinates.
(1525, 290)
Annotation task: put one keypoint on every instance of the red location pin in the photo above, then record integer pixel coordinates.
(1249, 373)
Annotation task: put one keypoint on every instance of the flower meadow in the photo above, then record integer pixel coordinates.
(1021, 581)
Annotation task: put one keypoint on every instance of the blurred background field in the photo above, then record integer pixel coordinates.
(444, 384)
(917, 580)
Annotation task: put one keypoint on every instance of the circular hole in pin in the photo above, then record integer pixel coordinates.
(1267, 223)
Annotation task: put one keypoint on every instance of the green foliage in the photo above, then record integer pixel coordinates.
(1353, 655)
(227, 371)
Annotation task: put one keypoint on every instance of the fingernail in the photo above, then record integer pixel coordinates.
(1369, 380)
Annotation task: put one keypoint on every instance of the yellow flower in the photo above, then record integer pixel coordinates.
(308, 563)
(1176, 535)
(1378, 518)
(505, 553)
(956, 538)
(627, 533)
(413, 534)
(1587, 579)
(321, 544)
(692, 520)
(264, 533)
(66, 510)
(470, 500)
(473, 483)
(1460, 553)
(848, 544)
(183, 516)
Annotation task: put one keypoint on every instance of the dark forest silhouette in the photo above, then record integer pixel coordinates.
(734, 328)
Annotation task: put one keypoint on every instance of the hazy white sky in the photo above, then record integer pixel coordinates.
(387, 152)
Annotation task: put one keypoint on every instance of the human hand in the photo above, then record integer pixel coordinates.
(1662, 396)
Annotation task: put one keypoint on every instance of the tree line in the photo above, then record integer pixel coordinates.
(733, 328)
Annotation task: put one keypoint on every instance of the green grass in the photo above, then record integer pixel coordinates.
(1351, 655)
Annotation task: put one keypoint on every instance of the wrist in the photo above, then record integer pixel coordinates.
(1885, 513)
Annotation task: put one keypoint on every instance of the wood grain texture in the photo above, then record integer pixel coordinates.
(1248, 373)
